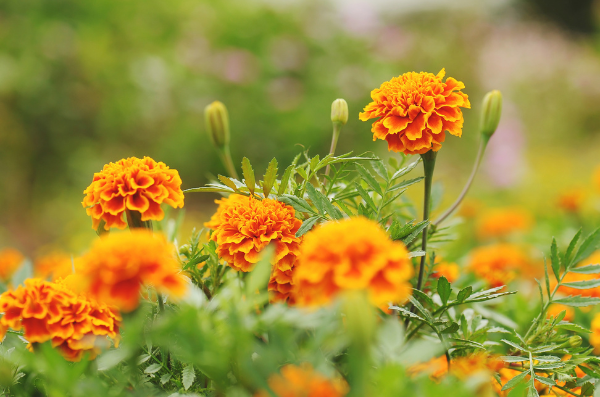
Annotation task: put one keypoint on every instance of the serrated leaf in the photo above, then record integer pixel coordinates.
(464, 294)
(187, 376)
(514, 381)
(450, 329)
(165, 378)
(209, 189)
(514, 359)
(405, 170)
(589, 269)
(571, 248)
(314, 197)
(369, 179)
(488, 297)
(468, 342)
(423, 296)
(143, 358)
(572, 327)
(549, 366)
(153, 368)
(365, 196)
(307, 225)
(421, 308)
(587, 389)
(444, 289)
(546, 381)
(578, 301)
(585, 284)
(486, 292)
(407, 313)
(588, 246)
(415, 232)
(285, 180)
(299, 204)
(227, 182)
(248, 175)
(554, 259)
(270, 177)
(513, 344)
(380, 169)
(405, 183)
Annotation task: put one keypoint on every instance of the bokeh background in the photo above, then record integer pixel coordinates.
(83, 83)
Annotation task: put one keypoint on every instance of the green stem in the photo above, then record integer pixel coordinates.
(337, 127)
(134, 220)
(428, 167)
(453, 207)
(225, 156)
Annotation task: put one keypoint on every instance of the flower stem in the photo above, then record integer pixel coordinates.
(134, 220)
(453, 207)
(428, 167)
(225, 156)
(337, 127)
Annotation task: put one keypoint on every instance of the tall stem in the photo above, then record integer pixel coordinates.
(225, 155)
(453, 207)
(134, 220)
(337, 127)
(428, 167)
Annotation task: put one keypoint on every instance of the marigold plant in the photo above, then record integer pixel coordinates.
(498, 264)
(10, 260)
(132, 184)
(415, 110)
(303, 381)
(117, 266)
(353, 254)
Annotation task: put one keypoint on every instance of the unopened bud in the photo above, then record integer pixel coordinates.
(490, 115)
(217, 124)
(575, 341)
(339, 111)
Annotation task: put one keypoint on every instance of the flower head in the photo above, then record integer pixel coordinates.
(244, 226)
(54, 265)
(415, 110)
(303, 381)
(450, 270)
(132, 184)
(353, 254)
(10, 260)
(571, 201)
(501, 222)
(498, 264)
(48, 311)
(117, 266)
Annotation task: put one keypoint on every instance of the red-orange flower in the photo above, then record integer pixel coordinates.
(498, 264)
(48, 311)
(10, 260)
(303, 381)
(353, 254)
(571, 200)
(415, 110)
(244, 226)
(133, 184)
(117, 266)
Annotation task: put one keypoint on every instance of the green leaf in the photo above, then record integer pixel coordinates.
(572, 327)
(299, 204)
(314, 197)
(307, 225)
(405, 170)
(571, 248)
(588, 246)
(369, 179)
(285, 180)
(444, 289)
(585, 284)
(473, 299)
(143, 358)
(546, 381)
(365, 196)
(514, 359)
(248, 175)
(578, 301)
(165, 378)
(405, 183)
(227, 182)
(407, 313)
(153, 369)
(210, 189)
(515, 381)
(554, 259)
(470, 343)
(270, 177)
(464, 294)
(422, 309)
(549, 366)
(380, 169)
(587, 389)
(423, 296)
(513, 344)
(589, 269)
(187, 376)
(450, 329)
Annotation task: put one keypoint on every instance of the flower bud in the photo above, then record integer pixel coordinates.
(490, 116)
(575, 341)
(217, 124)
(339, 111)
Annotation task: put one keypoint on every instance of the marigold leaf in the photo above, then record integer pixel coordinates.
(369, 179)
(421, 308)
(143, 358)
(423, 296)
(444, 289)
(407, 313)
(270, 177)
(153, 368)
(187, 376)
(464, 294)
(165, 378)
(571, 248)
(405, 170)
(554, 259)
(513, 344)
(589, 269)
(578, 301)
(549, 366)
(450, 329)
(468, 342)
(307, 225)
(283, 185)
(514, 359)
(546, 381)
(405, 183)
(380, 169)
(227, 182)
(585, 284)
(572, 327)
(299, 204)
(472, 299)
(209, 189)
(314, 197)
(365, 196)
(588, 246)
(248, 175)
(587, 389)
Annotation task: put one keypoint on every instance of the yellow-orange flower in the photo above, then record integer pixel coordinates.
(498, 264)
(244, 226)
(53, 266)
(500, 222)
(353, 254)
(303, 381)
(556, 308)
(450, 270)
(572, 200)
(596, 178)
(415, 110)
(10, 260)
(593, 259)
(595, 335)
(132, 184)
(48, 311)
(117, 266)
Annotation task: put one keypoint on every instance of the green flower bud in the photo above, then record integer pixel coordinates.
(490, 116)
(217, 124)
(575, 341)
(339, 111)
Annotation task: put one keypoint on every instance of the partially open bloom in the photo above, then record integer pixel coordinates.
(415, 110)
(117, 266)
(244, 226)
(48, 311)
(304, 381)
(571, 201)
(10, 260)
(353, 254)
(500, 222)
(53, 266)
(498, 264)
(132, 184)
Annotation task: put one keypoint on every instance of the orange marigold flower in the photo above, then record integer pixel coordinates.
(117, 266)
(500, 222)
(450, 270)
(53, 266)
(132, 184)
(353, 254)
(415, 110)
(595, 335)
(498, 264)
(244, 226)
(48, 311)
(556, 308)
(593, 259)
(572, 200)
(10, 260)
(304, 381)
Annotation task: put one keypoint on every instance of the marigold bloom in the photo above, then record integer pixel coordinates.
(593, 259)
(498, 264)
(500, 222)
(53, 266)
(571, 201)
(244, 226)
(303, 381)
(450, 270)
(117, 266)
(415, 110)
(133, 184)
(48, 311)
(10, 260)
(353, 254)
(556, 308)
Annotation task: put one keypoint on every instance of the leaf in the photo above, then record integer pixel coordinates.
(210, 189)
(415, 232)
(316, 200)
(285, 180)
(165, 378)
(405, 170)
(444, 289)
(571, 248)
(468, 342)
(422, 309)
(514, 381)
(585, 284)
(407, 313)
(405, 183)
(187, 376)
(369, 179)
(299, 204)
(423, 296)
(572, 327)
(547, 279)
(587, 389)
(248, 175)
(227, 182)
(380, 169)
(514, 345)
(464, 294)
(546, 381)
(153, 368)
(589, 269)
(554, 259)
(143, 358)
(588, 246)
(514, 359)
(417, 253)
(549, 366)
(451, 329)
(322, 202)
(488, 297)
(270, 176)
(365, 197)
(307, 225)
(577, 301)
(487, 292)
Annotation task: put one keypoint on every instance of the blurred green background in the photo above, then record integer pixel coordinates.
(86, 83)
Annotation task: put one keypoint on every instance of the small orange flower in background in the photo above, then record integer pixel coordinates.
(498, 264)
(244, 226)
(596, 178)
(556, 308)
(415, 110)
(571, 201)
(117, 266)
(353, 254)
(500, 222)
(593, 259)
(48, 311)
(10, 260)
(133, 184)
(450, 270)
(595, 335)
(53, 266)
(304, 381)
